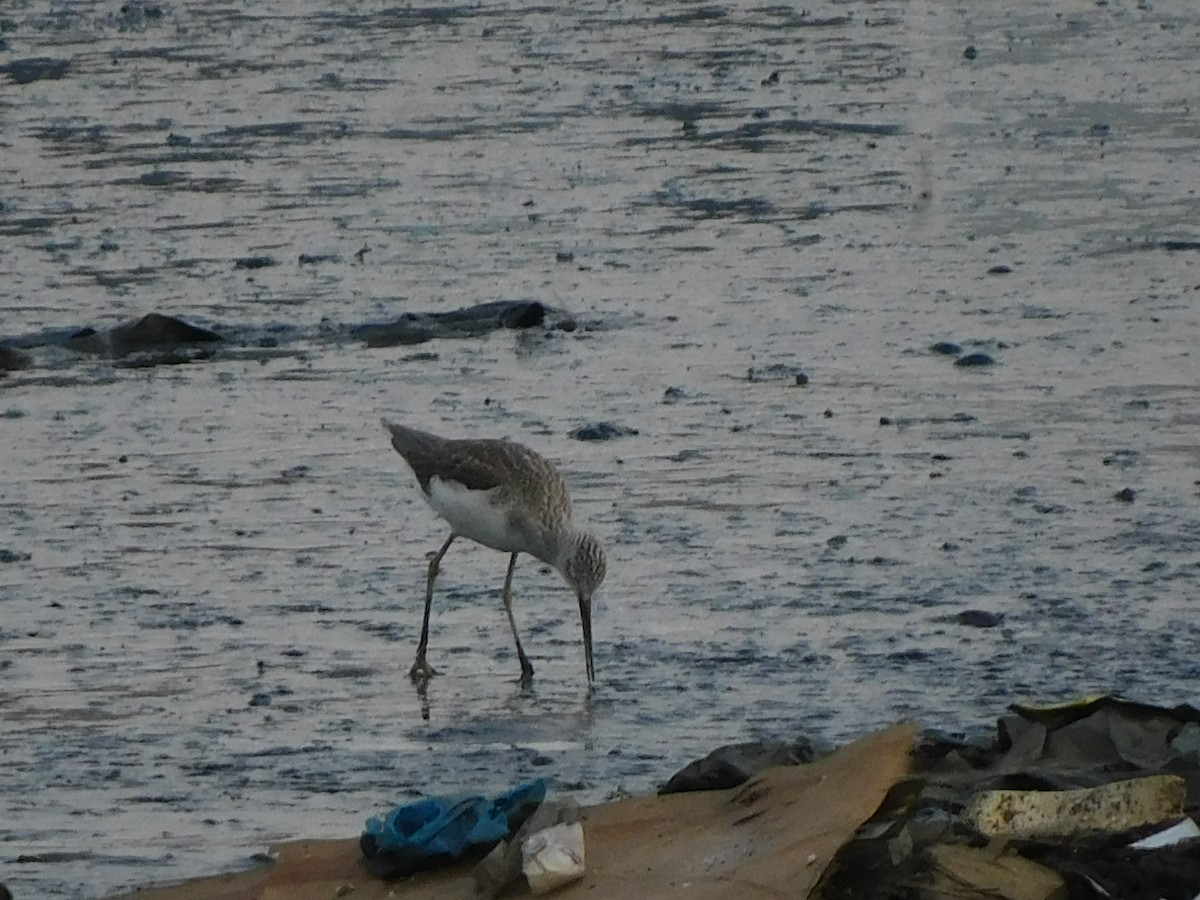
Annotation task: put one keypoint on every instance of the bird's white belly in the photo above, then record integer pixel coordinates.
(472, 514)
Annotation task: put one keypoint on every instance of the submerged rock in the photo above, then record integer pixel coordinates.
(974, 360)
(601, 431)
(472, 321)
(979, 618)
(157, 339)
(151, 333)
(11, 360)
(156, 332)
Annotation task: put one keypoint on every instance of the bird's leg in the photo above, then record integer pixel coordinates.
(526, 666)
(421, 671)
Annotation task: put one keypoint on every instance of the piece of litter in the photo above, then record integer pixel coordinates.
(553, 857)
(1180, 831)
(1113, 807)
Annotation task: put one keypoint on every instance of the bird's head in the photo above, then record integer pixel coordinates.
(584, 568)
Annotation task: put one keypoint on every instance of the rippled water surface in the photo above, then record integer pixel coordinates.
(211, 574)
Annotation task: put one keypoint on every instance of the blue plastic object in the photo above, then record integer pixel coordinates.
(439, 830)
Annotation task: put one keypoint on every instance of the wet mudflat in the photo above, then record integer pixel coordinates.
(760, 220)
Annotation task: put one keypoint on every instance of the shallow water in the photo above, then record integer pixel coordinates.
(214, 572)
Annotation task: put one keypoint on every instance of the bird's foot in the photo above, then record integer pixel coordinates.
(421, 672)
(526, 676)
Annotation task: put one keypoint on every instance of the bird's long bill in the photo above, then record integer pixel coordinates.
(585, 616)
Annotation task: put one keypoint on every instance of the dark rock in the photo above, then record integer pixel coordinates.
(262, 698)
(974, 360)
(12, 556)
(564, 256)
(734, 764)
(408, 329)
(313, 259)
(156, 339)
(1000, 270)
(885, 420)
(978, 618)
(673, 395)
(946, 348)
(601, 431)
(87, 340)
(157, 332)
(1125, 495)
(970, 52)
(523, 315)
(773, 78)
(161, 338)
(11, 360)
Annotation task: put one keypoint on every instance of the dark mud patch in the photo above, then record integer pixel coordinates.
(27, 71)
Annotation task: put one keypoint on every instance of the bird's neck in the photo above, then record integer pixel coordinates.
(564, 549)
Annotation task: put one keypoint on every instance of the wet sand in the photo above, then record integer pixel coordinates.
(211, 574)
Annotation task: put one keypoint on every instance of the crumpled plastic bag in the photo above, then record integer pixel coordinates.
(440, 830)
(499, 870)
